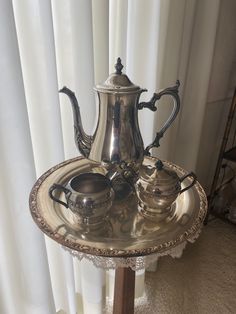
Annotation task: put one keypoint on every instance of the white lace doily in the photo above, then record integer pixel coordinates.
(135, 263)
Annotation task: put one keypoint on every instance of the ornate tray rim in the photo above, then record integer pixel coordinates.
(45, 228)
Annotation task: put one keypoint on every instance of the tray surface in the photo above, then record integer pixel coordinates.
(125, 232)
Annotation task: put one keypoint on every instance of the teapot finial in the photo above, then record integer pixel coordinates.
(118, 66)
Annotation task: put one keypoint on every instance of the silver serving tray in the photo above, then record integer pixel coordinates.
(124, 232)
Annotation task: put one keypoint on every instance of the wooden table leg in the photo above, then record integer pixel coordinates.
(124, 291)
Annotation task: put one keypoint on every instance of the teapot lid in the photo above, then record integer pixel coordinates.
(160, 175)
(118, 82)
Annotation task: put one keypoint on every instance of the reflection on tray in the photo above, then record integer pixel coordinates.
(122, 221)
(124, 228)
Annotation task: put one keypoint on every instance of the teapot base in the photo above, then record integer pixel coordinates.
(93, 222)
(122, 189)
(154, 214)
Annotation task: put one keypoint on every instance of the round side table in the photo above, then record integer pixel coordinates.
(126, 241)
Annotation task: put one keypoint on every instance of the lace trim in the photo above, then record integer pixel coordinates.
(135, 263)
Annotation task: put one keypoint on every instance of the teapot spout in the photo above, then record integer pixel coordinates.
(83, 141)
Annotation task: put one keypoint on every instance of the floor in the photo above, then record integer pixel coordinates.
(202, 281)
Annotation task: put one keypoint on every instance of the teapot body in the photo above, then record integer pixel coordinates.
(117, 137)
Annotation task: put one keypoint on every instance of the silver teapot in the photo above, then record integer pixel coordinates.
(117, 138)
(157, 188)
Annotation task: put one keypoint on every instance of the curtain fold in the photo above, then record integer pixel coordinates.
(73, 29)
(48, 44)
(100, 13)
(73, 26)
(142, 53)
(17, 178)
(197, 82)
(37, 53)
(118, 23)
(176, 20)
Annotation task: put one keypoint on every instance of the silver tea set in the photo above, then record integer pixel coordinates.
(117, 146)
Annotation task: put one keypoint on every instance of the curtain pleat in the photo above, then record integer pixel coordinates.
(10, 295)
(171, 38)
(17, 168)
(197, 82)
(118, 24)
(142, 43)
(100, 13)
(93, 288)
(69, 282)
(75, 64)
(37, 52)
(73, 30)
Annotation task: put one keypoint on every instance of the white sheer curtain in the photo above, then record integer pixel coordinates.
(47, 44)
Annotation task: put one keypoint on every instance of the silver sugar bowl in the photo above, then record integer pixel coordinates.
(88, 195)
(157, 188)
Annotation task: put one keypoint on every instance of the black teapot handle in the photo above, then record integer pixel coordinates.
(172, 91)
(58, 187)
(192, 175)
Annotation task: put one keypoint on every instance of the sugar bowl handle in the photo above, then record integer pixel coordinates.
(58, 187)
(173, 92)
(192, 175)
